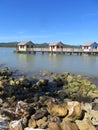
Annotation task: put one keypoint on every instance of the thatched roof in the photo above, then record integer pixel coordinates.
(56, 43)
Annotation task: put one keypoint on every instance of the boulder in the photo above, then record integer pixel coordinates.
(1, 84)
(70, 78)
(87, 107)
(21, 108)
(41, 122)
(57, 109)
(4, 123)
(85, 124)
(1, 101)
(62, 94)
(92, 95)
(54, 126)
(74, 110)
(93, 116)
(12, 82)
(95, 104)
(54, 119)
(32, 123)
(32, 129)
(40, 113)
(42, 82)
(68, 125)
(90, 113)
(16, 125)
(5, 72)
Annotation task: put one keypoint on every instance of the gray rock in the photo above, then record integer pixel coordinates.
(16, 125)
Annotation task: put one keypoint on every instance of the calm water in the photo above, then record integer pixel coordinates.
(27, 63)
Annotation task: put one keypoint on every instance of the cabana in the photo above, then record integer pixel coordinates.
(25, 46)
(56, 46)
(89, 46)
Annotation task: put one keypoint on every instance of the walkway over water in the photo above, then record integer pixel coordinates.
(78, 51)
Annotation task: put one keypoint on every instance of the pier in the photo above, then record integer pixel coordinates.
(90, 48)
(70, 51)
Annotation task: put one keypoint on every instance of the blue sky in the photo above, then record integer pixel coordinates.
(69, 21)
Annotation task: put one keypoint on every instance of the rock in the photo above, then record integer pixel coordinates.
(92, 95)
(8, 112)
(21, 79)
(44, 99)
(12, 82)
(70, 78)
(87, 107)
(1, 84)
(74, 109)
(41, 122)
(16, 125)
(1, 101)
(23, 109)
(57, 109)
(85, 124)
(32, 129)
(40, 113)
(42, 82)
(90, 114)
(62, 95)
(59, 82)
(17, 82)
(95, 104)
(54, 126)
(4, 123)
(54, 119)
(32, 123)
(5, 72)
(42, 85)
(94, 117)
(67, 125)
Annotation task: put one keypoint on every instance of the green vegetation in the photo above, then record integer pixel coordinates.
(41, 45)
(71, 46)
(9, 44)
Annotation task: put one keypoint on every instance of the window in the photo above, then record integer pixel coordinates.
(27, 46)
(21, 46)
(57, 46)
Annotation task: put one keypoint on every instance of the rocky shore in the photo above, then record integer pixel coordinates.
(47, 101)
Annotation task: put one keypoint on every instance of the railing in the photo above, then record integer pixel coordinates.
(90, 50)
(77, 50)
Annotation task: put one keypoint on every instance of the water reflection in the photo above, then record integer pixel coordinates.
(30, 63)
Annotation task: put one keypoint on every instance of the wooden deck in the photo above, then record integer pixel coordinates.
(78, 51)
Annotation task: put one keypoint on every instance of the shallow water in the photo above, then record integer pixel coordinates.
(30, 63)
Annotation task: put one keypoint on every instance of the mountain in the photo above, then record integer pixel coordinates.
(37, 45)
(9, 44)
